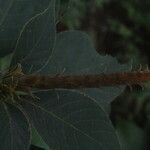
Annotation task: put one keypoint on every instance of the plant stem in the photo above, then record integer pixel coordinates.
(84, 81)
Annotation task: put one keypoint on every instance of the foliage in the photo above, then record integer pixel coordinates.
(71, 119)
(131, 136)
(78, 10)
(120, 28)
(56, 119)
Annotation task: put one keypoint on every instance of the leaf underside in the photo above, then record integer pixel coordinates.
(13, 15)
(74, 54)
(36, 41)
(14, 128)
(71, 121)
(63, 119)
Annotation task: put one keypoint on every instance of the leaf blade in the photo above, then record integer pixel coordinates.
(75, 54)
(14, 128)
(36, 41)
(13, 15)
(38, 141)
(79, 124)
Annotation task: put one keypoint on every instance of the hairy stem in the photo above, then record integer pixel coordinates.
(84, 81)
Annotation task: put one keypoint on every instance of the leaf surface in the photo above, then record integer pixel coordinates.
(38, 141)
(61, 8)
(14, 129)
(13, 15)
(131, 136)
(36, 41)
(71, 121)
(75, 54)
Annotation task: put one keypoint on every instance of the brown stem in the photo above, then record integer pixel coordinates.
(84, 81)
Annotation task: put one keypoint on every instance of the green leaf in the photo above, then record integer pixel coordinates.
(13, 15)
(57, 8)
(71, 121)
(131, 136)
(75, 54)
(38, 141)
(5, 62)
(61, 8)
(36, 41)
(14, 129)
